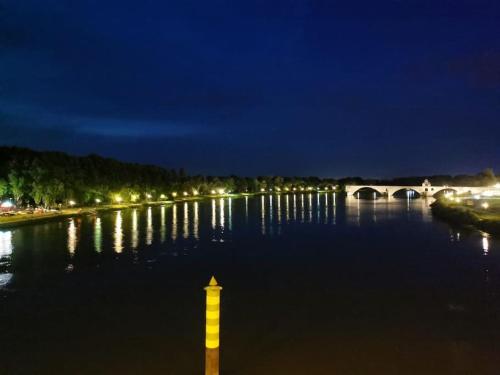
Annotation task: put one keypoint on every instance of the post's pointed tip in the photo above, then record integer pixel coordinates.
(213, 282)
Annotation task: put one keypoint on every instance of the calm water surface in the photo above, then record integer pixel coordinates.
(313, 283)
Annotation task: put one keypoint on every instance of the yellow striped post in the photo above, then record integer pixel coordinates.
(212, 328)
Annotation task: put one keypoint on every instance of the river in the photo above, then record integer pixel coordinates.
(312, 283)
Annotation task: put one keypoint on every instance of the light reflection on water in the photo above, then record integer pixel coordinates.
(149, 227)
(72, 238)
(174, 223)
(196, 221)
(118, 233)
(135, 230)
(214, 218)
(220, 220)
(5, 243)
(486, 244)
(98, 235)
(163, 226)
(185, 228)
(263, 215)
(221, 214)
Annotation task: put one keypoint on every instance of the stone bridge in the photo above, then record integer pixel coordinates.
(425, 190)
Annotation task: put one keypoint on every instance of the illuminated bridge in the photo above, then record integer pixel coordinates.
(425, 190)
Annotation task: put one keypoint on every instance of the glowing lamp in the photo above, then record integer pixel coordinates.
(485, 205)
(7, 204)
(97, 200)
(185, 193)
(72, 203)
(221, 191)
(213, 192)
(174, 194)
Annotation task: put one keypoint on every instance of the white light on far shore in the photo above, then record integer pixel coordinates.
(7, 204)
(485, 205)
(72, 203)
(97, 200)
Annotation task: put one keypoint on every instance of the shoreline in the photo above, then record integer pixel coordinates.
(28, 219)
(467, 217)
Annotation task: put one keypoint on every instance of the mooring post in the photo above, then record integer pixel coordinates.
(212, 328)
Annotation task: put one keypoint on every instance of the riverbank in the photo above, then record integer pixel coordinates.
(24, 218)
(468, 213)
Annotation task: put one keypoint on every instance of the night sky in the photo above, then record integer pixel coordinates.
(296, 87)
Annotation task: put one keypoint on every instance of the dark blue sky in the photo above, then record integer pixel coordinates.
(296, 87)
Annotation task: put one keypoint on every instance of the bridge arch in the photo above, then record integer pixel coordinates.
(406, 193)
(443, 191)
(367, 192)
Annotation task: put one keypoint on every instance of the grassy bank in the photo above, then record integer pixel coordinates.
(469, 212)
(26, 218)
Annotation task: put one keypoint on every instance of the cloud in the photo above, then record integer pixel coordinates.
(130, 128)
(18, 120)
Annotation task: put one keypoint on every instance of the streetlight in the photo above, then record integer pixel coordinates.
(118, 199)
(174, 194)
(72, 203)
(485, 205)
(97, 200)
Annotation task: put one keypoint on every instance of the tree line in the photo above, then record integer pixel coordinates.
(51, 178)
(48, 179)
